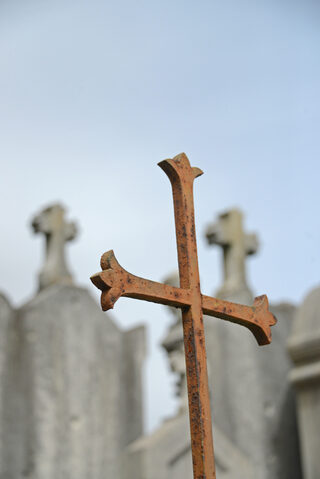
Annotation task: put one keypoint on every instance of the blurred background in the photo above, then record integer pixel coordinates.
(95, 94)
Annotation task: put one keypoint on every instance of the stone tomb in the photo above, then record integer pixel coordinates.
(72, 395)
(253, 407)
(304, 348)
(166, 454)
(253, 402)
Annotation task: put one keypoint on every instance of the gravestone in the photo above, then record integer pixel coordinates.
(236, 245)
(166, 453)
(304, 348)
(50, 222)
(69, 386)
(253, 404)
(253, 401)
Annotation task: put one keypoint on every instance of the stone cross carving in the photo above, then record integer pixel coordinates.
(228, 232)
(115, 282)
(52, 224)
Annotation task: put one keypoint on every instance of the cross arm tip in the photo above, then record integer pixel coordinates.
(97, 281)
(257, 318)
(264, 318)
(108, 260)
(197, 171)
(109, 294)
(109, 280)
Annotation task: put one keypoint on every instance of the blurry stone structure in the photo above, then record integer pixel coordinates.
(254, 417)
(304, 347)
(51, 223)
(253, 402)
(167, 452)
(71, 395)
(236, 245)
(71, 401)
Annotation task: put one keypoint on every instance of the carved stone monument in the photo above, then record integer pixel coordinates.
(166, 453)
(236, 245)
(51, 223)
(253, 401)
(254, 416)
(73, 396)
(304, 348)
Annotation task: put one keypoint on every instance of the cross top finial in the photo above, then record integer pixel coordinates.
(51, 222)
(228, 233)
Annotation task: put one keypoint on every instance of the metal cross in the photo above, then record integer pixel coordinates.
(115, 282)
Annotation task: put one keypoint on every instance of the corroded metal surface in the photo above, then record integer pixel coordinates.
(115, 282)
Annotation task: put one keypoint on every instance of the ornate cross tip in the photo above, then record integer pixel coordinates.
(109, 281)
(257, 318)
(264, 320)
(180, 164)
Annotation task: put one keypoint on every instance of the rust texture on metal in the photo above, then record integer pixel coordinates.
(115, 282)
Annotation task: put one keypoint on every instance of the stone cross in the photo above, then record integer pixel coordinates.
(115, 282)
(236, 244)
(57, 231)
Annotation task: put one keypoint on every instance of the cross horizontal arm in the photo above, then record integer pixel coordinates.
(114, 282)
(257, 318)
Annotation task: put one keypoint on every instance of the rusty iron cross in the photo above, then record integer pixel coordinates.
(115, 282)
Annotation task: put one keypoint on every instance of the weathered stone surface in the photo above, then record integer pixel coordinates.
(304, 347)
(71, 380)
(133, 356)
(69, 360)
(253, 403)
(66, 405)
(9, 405)
(166, 454)
(72, 394)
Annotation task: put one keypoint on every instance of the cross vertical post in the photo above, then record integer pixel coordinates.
(182, 176)
(115, 282)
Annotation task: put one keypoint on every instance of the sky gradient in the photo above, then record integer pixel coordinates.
(94, 94)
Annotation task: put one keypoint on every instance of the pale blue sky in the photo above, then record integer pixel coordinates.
(94, 94)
